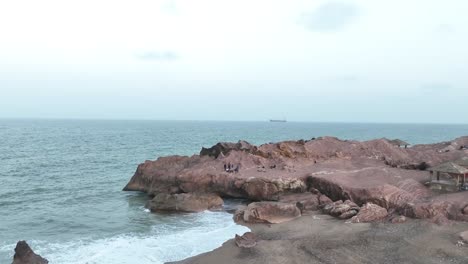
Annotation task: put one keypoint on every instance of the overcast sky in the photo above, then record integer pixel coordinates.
(316, 60)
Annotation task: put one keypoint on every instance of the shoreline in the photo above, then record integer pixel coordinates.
(319, 238)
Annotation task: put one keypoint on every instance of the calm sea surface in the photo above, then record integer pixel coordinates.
(61, 182)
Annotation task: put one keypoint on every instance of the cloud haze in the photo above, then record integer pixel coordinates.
(331, 16)
(323, 60)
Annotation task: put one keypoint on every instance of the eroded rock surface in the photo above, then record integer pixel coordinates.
(25, 255)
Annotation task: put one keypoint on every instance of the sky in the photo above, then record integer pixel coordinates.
(318, 60)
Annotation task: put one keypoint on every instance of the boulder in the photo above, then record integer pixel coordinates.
(464, 236)
(271, 212)
(185, 202)
(369, 213)
(247, 240)
(25, 255)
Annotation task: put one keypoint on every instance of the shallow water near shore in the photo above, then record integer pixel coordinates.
(61, 183)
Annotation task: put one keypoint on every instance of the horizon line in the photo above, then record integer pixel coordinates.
(216, 120)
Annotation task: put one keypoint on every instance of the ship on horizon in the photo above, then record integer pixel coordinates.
(278, 120)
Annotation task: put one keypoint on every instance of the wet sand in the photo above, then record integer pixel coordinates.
(317, 238)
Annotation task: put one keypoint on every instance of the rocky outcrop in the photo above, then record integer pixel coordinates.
(270, 212)
(370, 213)
(247, 240)
(374, 171)
(25, 255)
(185, 202)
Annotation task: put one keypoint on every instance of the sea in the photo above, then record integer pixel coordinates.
(61, 183)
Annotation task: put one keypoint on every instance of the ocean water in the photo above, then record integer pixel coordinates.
(61, 182)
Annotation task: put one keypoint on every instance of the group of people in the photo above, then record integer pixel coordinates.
(231, 168)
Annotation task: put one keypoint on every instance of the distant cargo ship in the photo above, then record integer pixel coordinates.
(278, 120)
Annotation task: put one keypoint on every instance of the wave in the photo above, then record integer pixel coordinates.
(157, 248)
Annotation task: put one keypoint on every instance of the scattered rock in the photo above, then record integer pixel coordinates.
(369, 213)
(271, 212)
(247, 240)
(185, 202)
(25, 255)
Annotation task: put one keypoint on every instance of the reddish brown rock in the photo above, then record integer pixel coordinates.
(25, 255)
(270, 212)
(247, 240)
(362, 172)
(370, 213)
(185, 202)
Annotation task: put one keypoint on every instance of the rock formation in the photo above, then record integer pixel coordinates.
(25, 255)
(308, 174)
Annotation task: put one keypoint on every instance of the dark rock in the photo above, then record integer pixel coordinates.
(25, 255)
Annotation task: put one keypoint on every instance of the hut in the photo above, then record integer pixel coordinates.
(399, 143)
(451, 170)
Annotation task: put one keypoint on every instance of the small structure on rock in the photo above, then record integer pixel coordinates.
(400, 143)
(452, 173)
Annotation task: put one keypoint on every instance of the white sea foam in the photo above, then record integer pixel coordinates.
(154, 249)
